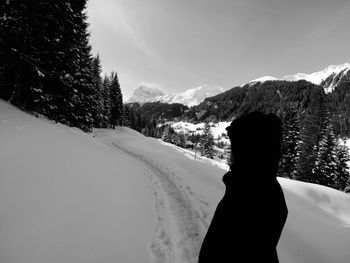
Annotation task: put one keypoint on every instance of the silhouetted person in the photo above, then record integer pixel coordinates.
(249, 219)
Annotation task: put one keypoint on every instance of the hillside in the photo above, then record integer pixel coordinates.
(274, 97)
(117, 196)
(266, 97)
(329, 78)
(157, 110)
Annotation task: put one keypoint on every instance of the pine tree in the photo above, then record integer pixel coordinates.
(85, 103)
(182, 140)
(347, 188)
(139, 122)
(342, 179)
(312, 123)
(207, 142)
(167, 134)
(106, 101)
(25, 45)
(126, 116)
(325, 170)
(47, 59)
(116, 101)
(98, 86)
(291, 138)
(179, 139)
(176, 139)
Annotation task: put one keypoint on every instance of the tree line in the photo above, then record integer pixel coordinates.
(47, 66)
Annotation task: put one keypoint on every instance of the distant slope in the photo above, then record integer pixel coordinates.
(276, 97)
(121, 197)
(266, 97)
(329, 78)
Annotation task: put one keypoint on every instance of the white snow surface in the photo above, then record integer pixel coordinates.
(261, 79)
(319, 76)
(117, 196)
(217, 129)
(189, 97)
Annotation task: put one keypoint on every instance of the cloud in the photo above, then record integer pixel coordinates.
(117, 19)
(153, 86)
(134, 35)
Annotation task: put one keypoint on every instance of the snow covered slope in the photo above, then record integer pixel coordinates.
(261, 79)
(189, 97)
(329, 77)
(117, 196)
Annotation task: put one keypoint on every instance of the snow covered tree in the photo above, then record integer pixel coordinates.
(312, 123)
(46, 59)
(182, 139)
(24, 44)
(117, 110)
(179, 139)
(207, 142)
(106, 101)
(325, 170)
(97, 82)
(291, 138)
(167, 134)
(342, 178)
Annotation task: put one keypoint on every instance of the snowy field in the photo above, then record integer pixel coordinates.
(217, 129)
(117, 196)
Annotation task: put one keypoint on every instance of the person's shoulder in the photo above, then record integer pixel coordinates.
(227, 178)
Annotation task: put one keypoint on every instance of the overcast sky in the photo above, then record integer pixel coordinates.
(182, 44)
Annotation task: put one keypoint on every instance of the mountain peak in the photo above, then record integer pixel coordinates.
(189, 97)
(145, 92)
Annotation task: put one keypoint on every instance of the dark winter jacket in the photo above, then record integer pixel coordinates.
(248, 221)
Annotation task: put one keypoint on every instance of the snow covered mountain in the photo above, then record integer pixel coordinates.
(261, 79)
(145, 93)
(189, 97)
(118, 196)
(329, 77)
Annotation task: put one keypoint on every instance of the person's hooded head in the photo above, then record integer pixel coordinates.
(256, 140)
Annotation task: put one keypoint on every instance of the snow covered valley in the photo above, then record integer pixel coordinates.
(117, 196)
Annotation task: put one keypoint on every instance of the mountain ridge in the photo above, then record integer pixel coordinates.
(328, 77)
(190, 97)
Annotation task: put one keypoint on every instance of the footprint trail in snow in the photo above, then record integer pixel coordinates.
(181, 217)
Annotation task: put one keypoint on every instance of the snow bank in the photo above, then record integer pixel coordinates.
(66, 196)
